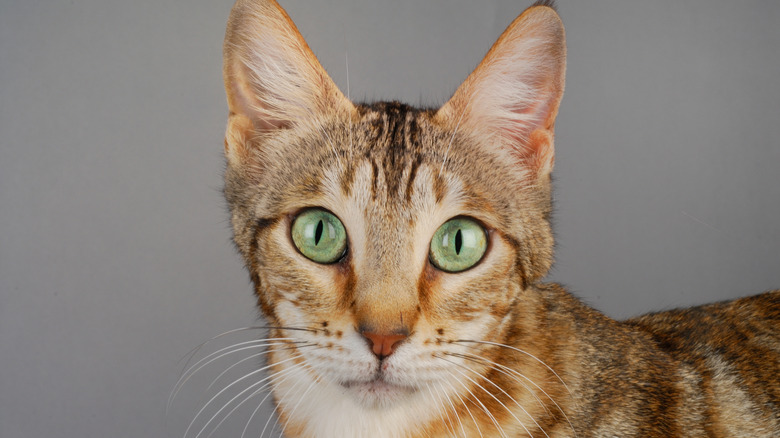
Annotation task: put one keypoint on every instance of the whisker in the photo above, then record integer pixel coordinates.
(294, 347)
(194, 351)
(188, 372)
(191, 371)
(523, 352)
(288, 373)
(509, 371)
(259, 405)
(454, 410)
(275, 414)
(211, 400)
(481, 405)
(497, 367)
(300, 399)
(512, 398)
(465, 405)
(447, 421)
(242, 329)
(493, 396)
(243, 433)
(249, 397)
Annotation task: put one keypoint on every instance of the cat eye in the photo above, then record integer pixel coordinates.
(458, 245)
(319, 235)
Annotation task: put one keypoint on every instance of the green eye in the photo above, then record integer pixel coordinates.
(458, 245)
(319, 235)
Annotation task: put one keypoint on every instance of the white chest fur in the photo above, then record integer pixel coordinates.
(326, 410)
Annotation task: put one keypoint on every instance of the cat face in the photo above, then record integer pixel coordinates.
(432, 222)
(391, 190)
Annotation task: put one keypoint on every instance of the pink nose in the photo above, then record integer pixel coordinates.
(383, 345)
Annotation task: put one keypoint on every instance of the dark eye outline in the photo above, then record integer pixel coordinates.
(488, 244)
(291, 222)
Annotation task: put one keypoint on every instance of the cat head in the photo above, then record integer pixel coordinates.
(383, 233)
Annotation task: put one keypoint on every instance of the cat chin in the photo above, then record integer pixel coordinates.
(378, 394)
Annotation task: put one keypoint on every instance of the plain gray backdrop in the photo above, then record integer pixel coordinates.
(115, 253)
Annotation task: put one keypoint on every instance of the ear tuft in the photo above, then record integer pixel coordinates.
(547, 3)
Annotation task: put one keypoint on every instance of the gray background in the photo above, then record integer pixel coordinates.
(115, 256)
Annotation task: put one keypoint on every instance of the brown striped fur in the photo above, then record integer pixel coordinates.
(491, 351)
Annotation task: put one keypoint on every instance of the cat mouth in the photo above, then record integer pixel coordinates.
(377, 392)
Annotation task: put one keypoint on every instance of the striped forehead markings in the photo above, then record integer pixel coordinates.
(391, 148)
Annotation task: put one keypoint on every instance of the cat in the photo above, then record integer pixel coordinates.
(398, 253)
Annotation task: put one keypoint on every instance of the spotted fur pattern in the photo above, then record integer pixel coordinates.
(490, 351)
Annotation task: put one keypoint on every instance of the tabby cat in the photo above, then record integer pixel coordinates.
(398, 253)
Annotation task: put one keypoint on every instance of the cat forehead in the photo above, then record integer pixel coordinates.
(393, 138)
(391, 154)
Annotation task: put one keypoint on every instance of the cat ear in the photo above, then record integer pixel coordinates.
(512, 97)
(272, 78)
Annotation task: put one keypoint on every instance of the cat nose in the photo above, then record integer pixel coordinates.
(383, 345)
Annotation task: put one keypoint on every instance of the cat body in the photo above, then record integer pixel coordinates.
(397, 254)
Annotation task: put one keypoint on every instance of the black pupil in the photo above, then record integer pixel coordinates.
(458, 241)
(318, 233)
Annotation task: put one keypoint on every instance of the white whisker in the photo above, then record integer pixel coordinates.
(465, 405)
(493, 396)
(194, 351)
(191, 371)
(454, 411)
(509, 396)
(249, 421)
(481, 405)
(446, 420)
(249, 397)
(498, 367)
(523, 352)
(509, 372)
(300, 399)
(243, 433)
(275, 415)
(211, 400)
(296, 347)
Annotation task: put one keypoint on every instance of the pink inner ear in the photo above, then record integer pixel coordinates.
(534, 116)
(271, 75)
(514, 93)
